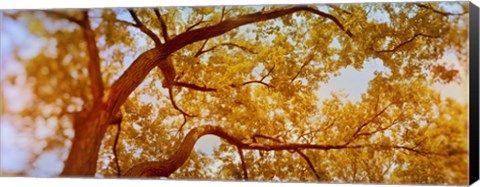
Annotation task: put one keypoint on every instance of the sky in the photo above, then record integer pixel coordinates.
(15, 150)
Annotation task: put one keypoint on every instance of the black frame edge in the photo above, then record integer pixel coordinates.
(474, 93)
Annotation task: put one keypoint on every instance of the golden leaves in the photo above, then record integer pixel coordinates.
(266, 75)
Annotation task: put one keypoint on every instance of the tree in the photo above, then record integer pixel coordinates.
(250, 76)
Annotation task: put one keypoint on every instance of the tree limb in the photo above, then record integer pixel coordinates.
(310, 164)
(126, 22)
(195, 24)
(256, 81)
(146, 61)
(134, 74)
(224, 44)
(94, 74)
(199, 34)
(438, 11)
(117, 118)
(244, 167)
(166, 167)
(379, 129)
(405, 43)
(303, 155)
(163, 26)
(251, 82)
(370, 120)
(201, 48)
(139, 24)
(83, 155)
(303, 66)
(117, 136)
(335, 7)
(172, 99)
(181, 126)
(65, 16)
(194, 86)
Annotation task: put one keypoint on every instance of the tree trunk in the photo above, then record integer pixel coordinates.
(86, 144)
(90, 132)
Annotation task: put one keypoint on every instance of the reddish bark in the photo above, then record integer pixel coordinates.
(90, 132)
(165, 168)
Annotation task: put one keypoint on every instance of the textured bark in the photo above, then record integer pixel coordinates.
(200, 34)
(166, 167)
(139, 24)
(82, 153)
(95, 76)
(86, 143)
(89, 133)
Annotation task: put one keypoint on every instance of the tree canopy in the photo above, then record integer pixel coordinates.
(128, 92)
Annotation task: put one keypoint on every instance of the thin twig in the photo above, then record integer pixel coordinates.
(371, 120)
(65, 16)
(303, 66)
(405, 43)
(256, 81)
(438, 11)
(198, 53)
(224, 44)
(196, 24)
(172, 100)
(117, 136)
(244, 167)
(303, 155)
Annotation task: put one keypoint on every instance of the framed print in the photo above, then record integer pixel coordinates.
(382, 93)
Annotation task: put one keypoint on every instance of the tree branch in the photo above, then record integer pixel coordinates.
(195, 24)
(370, 120)
(198, 53)
(117, 118)
(303, 155)
(303, 66)
(200, 34)
(194, 87)
(181, 126)
(162, 24)
(94, 74)
(223, 13)
(310, 164)
(224, 44)
(126, 22)
(251, 82)
(256, 81)
(324, 127)
(172, 100)
(244, 167)
(65, 16)
(145, 62)
(117, 136)
(166, 167)
(335, 7)
(379, 129)
(438, 11)
(405, 43)
(113, 99)
(139, 24)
